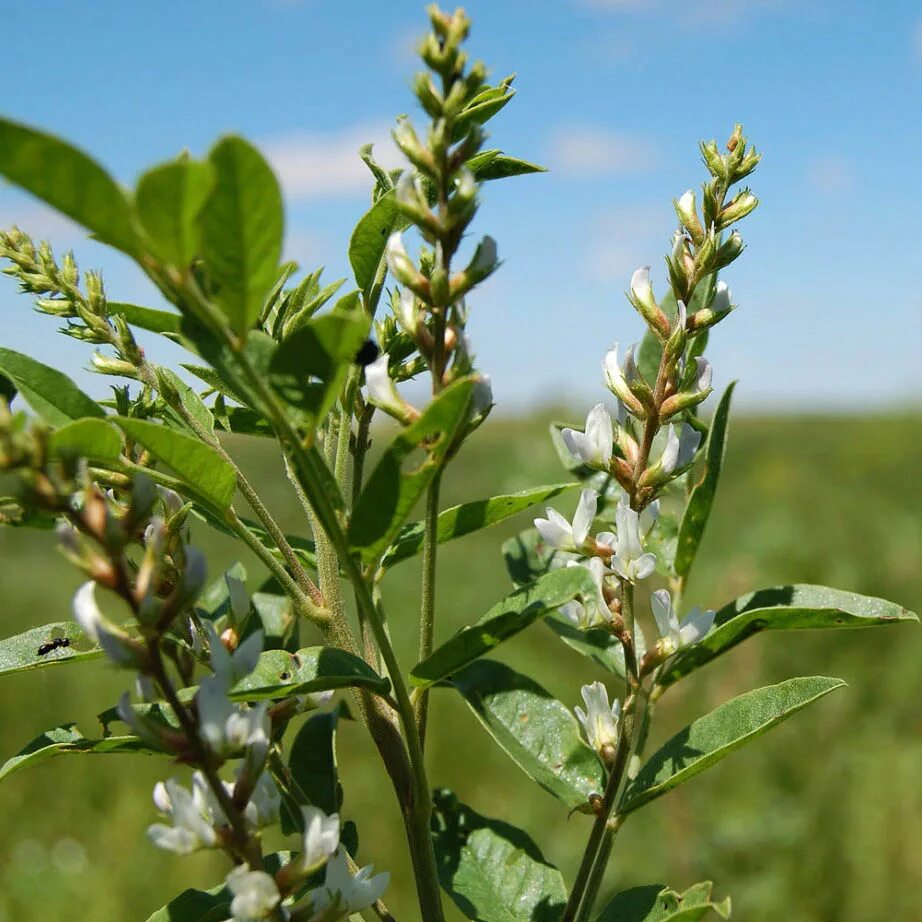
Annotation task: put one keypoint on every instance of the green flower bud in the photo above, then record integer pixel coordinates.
(742, 205)
(728, 251)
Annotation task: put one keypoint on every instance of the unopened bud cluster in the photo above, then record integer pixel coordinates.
(57, 286)
(438, 195)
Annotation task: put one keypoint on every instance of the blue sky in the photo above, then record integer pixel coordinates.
(613, 97)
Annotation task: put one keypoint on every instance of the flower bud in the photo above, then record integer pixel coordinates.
(116, 644)
(106, 365)
(738, 208)
(713, 160)
(484, 262)
(402, 267)
(642, 298)
(728, 250)
(383, 393)
(406, 139)
(428, 95)
(619, 378)
(688, 216)
(719, 307)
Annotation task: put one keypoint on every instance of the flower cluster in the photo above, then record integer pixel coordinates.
(260, 895)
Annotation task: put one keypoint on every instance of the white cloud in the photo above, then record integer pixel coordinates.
(621, 241)
(38, 220)
(830, 175)
(589, 151)
(313, 165)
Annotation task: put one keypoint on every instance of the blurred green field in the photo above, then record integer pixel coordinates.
(820, 821)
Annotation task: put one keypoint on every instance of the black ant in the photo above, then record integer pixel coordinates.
(59, 643)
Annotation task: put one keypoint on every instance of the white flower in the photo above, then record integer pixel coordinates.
(228, 728)
(398, 260)
(674, 635)
(629, 560)
(345, 892)
(382, 391)
(594, 445)
(641, 288)
(116, 644)
(599, 721)
(265, 803)
(485, 256)
(589, 613)
(679, 450)
(255, 893)
(704, 374)
(722, 298)
(193, 814)
(321, 839)
(409, 190)
(559, 533)
(407, 311)
(619, 375)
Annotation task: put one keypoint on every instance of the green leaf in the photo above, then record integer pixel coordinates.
(93, 439)
(48, 391)
(241, 231)
(309, 368)
(391, 493)
(312, 763)
(782, 608)
(533, 728)
(490, 164)
(527, 556)
(504, 620)
(469, 517)
(67, 739)
(369, 239)
(196, 906)
(698, 510)
(279, 674)
(655, 903)
(597, 644)
(205, 472)
(709, 739)
(493, 871)
(21, 652)
(68, 180)
(168, 201)
(172, 387)
(487, 103)
(148, 318)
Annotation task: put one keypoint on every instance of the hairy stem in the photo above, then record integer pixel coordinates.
(416, 802)
(427, 611)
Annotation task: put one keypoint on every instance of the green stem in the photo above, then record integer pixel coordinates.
(305, 605)
(427, 612)
(416, 803)
(581, 895)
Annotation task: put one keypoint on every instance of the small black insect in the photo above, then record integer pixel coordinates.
(57, 644)
(368, 352)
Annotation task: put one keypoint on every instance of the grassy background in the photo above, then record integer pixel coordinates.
(820, 821)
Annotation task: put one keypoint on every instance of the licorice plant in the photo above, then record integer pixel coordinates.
(222, 687)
